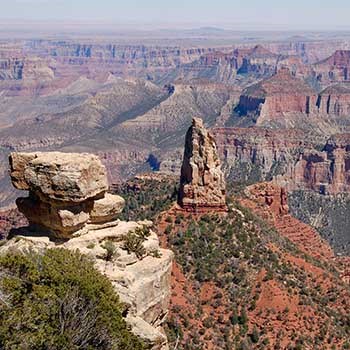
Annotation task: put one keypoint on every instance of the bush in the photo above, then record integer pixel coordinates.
(111, 250)
(57, 300)
(134, 244)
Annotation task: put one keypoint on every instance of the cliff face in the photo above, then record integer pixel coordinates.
(68, 207)
(277, 98)
(287, 157)
(230, 67)
(258, 61)
(334, 101)
(334, 68)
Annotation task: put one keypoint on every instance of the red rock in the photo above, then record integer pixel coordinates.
(335, 68)
(276, 97)
(334, 101)
(274, 207)
(304, 167)
(202, 183)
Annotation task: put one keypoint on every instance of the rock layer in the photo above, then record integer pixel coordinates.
(277, 98)
(68, 200)
(202, 183)
(62, 190)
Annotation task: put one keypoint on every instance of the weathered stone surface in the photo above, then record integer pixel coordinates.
(67, 201)
(202, 183)
(278, 99)
(66, 177)
(148, 333)
(107, 208)
(334, 101)
(18, 164)
(60, 222)
(286, 157)
(143, 284)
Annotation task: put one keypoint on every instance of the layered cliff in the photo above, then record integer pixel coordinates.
(334, 68)
(202, 183)
(335, 101)
(277, 99)
(288, 157)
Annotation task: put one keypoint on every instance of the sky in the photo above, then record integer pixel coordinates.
(230, 14)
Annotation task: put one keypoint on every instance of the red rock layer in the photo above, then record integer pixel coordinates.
(335, 68)
(273, 206)
(277, 96)
(304, 167)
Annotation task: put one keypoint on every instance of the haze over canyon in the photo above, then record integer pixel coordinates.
(235, 144)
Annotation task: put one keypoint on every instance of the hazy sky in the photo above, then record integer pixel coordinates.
(277, 14)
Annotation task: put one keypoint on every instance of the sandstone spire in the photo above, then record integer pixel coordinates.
(202, 183)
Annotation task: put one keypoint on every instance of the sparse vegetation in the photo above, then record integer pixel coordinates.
(111, 250)
(228, 252)
(57, 300)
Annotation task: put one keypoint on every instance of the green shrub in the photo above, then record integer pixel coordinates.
(133, 243)
(57, 300)
(111, 250)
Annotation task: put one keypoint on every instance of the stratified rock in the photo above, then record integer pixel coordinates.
(202, 183)
(281, 98)
(66, 177)
(334, 101)
(62, 190)
(68, 202)
(107, 208)
(287, 157)
(334, 68)
(61, 222)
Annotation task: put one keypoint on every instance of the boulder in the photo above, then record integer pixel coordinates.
(64, 177)
(63, 188)
(61, 222)
(106, 209)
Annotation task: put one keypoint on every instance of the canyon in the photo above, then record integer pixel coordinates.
(277, 107)
(246, 270)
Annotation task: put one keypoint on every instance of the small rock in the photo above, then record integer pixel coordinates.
(106, 209)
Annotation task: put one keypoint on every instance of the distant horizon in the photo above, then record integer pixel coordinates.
(252, 15)
(160, 26)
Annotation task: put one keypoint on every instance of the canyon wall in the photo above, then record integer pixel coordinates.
(287, 157)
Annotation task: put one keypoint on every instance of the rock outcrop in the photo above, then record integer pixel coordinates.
(62, 189)
(334, 101)
(68, 207)
(277, 98)
(334, 68)
(202, 183)
(270, 201)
